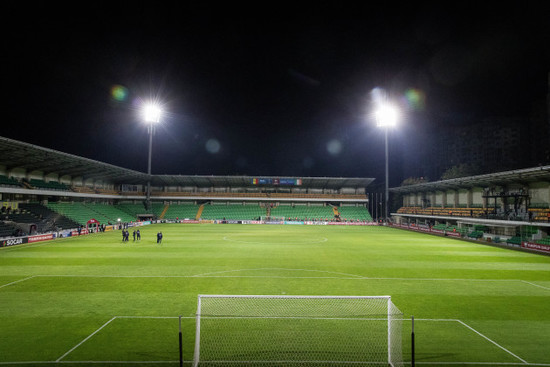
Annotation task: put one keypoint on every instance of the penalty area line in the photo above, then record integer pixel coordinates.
(535, 285)
(337, 275)
(83, 341)
(17, 281)
(492, 341)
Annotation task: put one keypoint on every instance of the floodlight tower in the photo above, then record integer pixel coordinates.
(386, 118)
(151, 116)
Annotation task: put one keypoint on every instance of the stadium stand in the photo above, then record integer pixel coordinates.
(355, 213)
(111, 212)
(132, 209)
(303, 212)
(444, 211)
(47, 219)
(8, 181)
(81, 213)
(214, 211)
(540, 214)
(181, 211)
(50, 185)
(7, 230)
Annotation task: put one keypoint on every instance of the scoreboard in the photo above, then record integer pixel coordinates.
(277, 181)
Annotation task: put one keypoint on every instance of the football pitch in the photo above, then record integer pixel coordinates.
(98, 301)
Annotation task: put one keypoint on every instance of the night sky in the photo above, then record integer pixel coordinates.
(269, 88)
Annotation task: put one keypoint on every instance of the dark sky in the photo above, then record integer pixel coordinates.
(269, 88)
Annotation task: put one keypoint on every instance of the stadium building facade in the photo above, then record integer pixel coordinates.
(510, 208)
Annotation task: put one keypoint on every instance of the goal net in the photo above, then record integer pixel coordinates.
(297, 331)
(272, 219)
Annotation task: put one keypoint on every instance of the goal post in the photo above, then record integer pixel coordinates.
(263, 330)
(272, 219)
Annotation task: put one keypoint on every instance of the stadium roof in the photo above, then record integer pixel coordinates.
(243, 181)
(520, 177)
(19, 155)
(16, 154)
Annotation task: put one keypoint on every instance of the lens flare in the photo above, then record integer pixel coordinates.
(213, 146)
(334, 147)
(415, 99)
(119, 93)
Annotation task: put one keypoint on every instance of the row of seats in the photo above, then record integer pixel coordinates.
(302, 212)
(182, 211)
(136, 209)
(355, 213)
(540, 214)
(7, 230)
(47, 219)
(8, 181)
(537, 214)
(445, 211)
(51, 185)
(233, 212)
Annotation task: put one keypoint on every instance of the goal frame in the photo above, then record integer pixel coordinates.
(196, 357)
(265, 218)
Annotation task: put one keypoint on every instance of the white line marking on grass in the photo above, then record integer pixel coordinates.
(343, 276)
(24, 246)
(154, 317)
(28, 362)
(124, 362)
(319, 240)
(536, 285)
(486, 363)
(495, 343)
(524, 362)
(91, 362)
(17, 281)
(172, 362)
(59, 361)
(353, 276)
(83, 341)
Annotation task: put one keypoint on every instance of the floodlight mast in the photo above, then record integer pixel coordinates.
(151, 116)
(386, 117)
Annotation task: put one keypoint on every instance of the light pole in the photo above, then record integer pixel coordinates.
(386, 117)
(151, 115)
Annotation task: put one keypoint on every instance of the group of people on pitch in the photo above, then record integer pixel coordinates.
(126, 235)
(137, 236)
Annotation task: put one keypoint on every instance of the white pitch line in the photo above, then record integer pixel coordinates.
(321, 240)
(495, 343)
(28, 362)
(523, 362)
(486, 363)
(90, 362)
(343, 277)
(18, 281)
(83, 341)
(123, 362)
(154, 317)
(279, 269)
(536, 285)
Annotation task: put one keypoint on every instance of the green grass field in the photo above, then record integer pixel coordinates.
(95, 300)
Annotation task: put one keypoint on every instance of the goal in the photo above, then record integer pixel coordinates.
(270, 219)
(308, 331)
